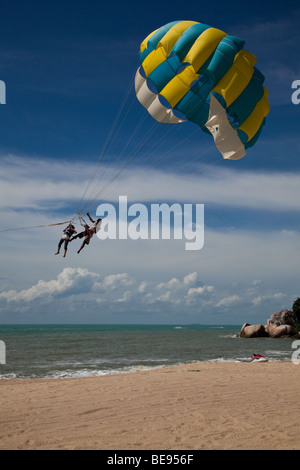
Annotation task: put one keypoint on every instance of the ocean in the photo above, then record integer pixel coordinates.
(66, 351)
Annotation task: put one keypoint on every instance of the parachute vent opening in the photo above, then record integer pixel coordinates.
(193, 84)
(196, 84)
(151, 86)
(164, 102)
(233, 119)
(181, 117)
(142, 72)
(182, 67)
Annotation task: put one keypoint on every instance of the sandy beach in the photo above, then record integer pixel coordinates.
(190, 407)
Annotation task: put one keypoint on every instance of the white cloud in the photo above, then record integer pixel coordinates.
(262, 298)
(142, 287)
(125, 297)
(27, 184)
(118, 288)
(69, 282)
(190, 279)
(173, 284)
(199, 290)
(91, 295)
(228, 301)
(166, 297)
(115, 281)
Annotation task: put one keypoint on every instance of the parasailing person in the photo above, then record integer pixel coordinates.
(88, 232)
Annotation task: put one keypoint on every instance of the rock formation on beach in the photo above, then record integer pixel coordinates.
(280, 325)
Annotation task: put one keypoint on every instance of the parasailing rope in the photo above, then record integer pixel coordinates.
(97, 186)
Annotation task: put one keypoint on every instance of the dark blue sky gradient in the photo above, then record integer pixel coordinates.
(67, 66)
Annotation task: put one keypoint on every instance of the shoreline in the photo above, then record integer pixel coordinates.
(134, 370)
(203, 405)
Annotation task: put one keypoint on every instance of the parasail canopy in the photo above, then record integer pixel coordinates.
(193, 72)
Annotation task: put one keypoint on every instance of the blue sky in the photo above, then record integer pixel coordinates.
(67, 68)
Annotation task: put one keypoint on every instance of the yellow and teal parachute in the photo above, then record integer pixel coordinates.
(192, 71)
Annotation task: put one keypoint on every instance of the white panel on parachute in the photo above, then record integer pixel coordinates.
(226, 138)
(151, 102)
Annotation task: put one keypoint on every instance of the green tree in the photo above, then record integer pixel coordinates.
(296, 312)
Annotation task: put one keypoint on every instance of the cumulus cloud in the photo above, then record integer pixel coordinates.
(142, 287)
(116, 281)
(69, 282)
(190, 279)
(262, 298)
(200, 290)
(196, 295)
(125, 297)
(173, 284)
(114, 288)
(98, 296)
(228, 301)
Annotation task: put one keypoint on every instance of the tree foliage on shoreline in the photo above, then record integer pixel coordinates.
(296, 312)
